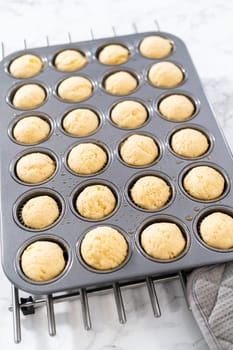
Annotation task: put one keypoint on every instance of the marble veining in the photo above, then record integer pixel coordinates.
(206, 27)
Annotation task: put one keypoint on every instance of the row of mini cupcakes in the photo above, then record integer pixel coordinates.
(98, 199)
(106, 248)
(90, 157)
(28, 65)
(78, 88)
(83, 121)
(125, 114)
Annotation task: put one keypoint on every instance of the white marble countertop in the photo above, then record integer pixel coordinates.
(207, 28)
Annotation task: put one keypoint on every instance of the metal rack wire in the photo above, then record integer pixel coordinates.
(28, 305)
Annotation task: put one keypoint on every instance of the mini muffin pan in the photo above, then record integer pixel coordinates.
(64, 185)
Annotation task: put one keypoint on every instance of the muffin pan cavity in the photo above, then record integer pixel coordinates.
(154, 191)
(46, 207)
(166, 75)
(69, 60)
(98, 200)
(31, 128)
(87, 158)
(34, 166)
(163, 237)
(26, 65)
(178, 107)
(120, 82)
(81, 121)
(190, 142)
(204, 182)
(28, 95)
(113, 53)
(74, 88)
(139, 150)
(128, 114)
(222, 224)
(82, 100)
(124, 248)
(46, 259)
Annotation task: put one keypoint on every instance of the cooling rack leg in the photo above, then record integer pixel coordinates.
(85, 309)
(69, 38)
(47, 40)
(25, 44)
(92, 34)
(182, 278)
(153, 297)
(3, 49)
(119, 303)
(135, 28)
(114, 30)
(51, 315)
(16, 314)
(157, 25)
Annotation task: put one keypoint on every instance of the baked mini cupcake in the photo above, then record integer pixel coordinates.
(29, 96)
(150, 192)
(35, 167)
(176, 107)
(95, 202)
(31, 129)
(129, 114)
(113, 54)
(69, 60)
(104, 248)
(163, 240)
(42, 261)
(204, 182)
(80, 122)
(216, 230)
(87, 158)
(40, 212)
(165, 75)
(155, 46)
(25, 66)
(139, 150)
(75, 89)
(120, 83)
(189, 142)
